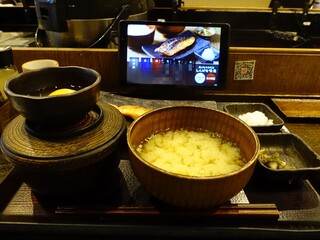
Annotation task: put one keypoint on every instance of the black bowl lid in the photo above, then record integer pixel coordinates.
(19, 145)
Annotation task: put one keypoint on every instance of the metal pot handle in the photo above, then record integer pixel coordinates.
(107, 35)
(40, 37)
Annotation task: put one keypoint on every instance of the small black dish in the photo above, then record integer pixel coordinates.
(302, 162)
(237, 109)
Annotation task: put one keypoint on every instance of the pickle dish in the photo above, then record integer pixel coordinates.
(285, 157)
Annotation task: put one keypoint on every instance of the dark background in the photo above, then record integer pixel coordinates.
(248, 28)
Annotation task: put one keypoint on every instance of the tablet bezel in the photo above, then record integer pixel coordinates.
(177, 91)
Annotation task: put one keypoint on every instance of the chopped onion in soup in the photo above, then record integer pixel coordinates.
(192, 153)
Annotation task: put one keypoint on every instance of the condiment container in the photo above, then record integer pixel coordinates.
(7, 69)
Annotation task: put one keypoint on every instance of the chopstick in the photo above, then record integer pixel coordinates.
(234, 210)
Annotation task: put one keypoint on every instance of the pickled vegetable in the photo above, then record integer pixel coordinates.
(273, 160)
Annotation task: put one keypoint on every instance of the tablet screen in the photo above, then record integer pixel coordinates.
(173, 55)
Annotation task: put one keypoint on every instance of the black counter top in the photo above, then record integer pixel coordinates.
(128, 211)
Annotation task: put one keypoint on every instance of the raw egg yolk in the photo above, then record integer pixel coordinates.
(62, 91)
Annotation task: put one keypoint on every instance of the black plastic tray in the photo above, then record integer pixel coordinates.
(124, 209)
(127, 204)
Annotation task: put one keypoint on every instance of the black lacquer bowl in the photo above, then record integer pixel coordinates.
(29, 93)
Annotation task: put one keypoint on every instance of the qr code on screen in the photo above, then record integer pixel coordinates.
(244, 70)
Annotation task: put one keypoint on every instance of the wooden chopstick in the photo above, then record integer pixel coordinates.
(234, 210)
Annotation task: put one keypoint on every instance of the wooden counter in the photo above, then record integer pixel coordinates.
(308, 132)
(293, 72)
(285, 73)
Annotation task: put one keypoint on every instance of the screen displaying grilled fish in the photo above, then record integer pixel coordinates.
(175, 45)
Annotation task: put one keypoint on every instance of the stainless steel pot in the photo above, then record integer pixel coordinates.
(81, 29)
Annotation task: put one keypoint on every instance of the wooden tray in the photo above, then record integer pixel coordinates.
(298, 108)
(127, 198)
